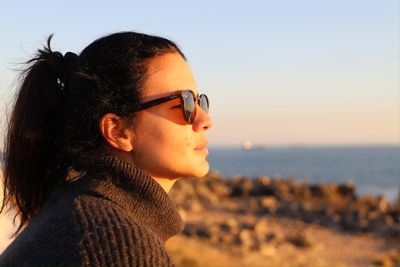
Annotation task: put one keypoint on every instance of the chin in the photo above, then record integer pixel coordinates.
(200, 170)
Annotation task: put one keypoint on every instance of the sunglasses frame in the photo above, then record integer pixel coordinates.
(179, 94)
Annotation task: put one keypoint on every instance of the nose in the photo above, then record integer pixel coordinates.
(202, 121)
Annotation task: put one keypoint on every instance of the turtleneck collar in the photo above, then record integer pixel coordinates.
(136, 192)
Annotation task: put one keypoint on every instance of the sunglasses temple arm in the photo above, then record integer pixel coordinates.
(155, 102)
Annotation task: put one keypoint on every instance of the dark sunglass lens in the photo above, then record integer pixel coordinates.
(203, 103)
(188, 106)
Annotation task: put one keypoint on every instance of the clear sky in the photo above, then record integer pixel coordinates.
(277, 72)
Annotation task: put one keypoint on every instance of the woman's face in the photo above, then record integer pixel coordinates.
(164, 145)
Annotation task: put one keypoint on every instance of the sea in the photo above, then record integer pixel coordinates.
(373, 169)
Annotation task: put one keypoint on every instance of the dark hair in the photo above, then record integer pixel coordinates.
(54, 121)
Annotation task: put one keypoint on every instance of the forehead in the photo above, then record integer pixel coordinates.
(167, 74)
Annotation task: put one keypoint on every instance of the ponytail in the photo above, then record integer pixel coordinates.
(30, 145)
(54, 123)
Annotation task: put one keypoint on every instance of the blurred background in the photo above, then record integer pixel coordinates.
(302, 89)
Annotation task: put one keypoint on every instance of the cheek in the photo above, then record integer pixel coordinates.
(165, 149)
(188, 141)
(166, 139)
(175, 141)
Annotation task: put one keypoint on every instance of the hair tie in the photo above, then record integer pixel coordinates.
(71, 60)
(65, 67)
(56, 60)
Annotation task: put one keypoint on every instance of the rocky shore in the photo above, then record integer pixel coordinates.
(263, 217)
(245, 222)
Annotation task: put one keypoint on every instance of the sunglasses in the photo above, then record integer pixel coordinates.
(188, 103)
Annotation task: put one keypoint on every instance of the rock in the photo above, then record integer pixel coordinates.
(264, 180)
(369, 202)
(262, 187)
(330, 190)
(302, 192)
(215, 175)
(363, 225)
(261, 229)
(389, 220)
(282, 190)
(221, 190)
(395, 255)
(189, 230)
(395, 214)
(233, 225)
(244, 225)
(293, 208)
(239, 186)
(195, 206)
(269, 204)
(325, 204)
(204, 193)
(203, 232)
(224, 234)
(215, 233)
(269, 237)
(383, 261)
(224, 227)
(307, 206)
(300, 240)
(235, 206)
(276, 238)
(316, 190)
(179, 199)
(268, 250)
(189, 262)
(252, 205)
(335, 218)
(373, 215)
(348, 222)
(248, 240)
(360, 210)
(347, 190)
(324, 191)
(383, 205)
(182, 213)
(230, 240)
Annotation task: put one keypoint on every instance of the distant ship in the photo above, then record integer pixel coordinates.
(248, 145)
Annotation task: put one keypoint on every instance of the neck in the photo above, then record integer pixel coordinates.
(135, 191)
(165, 183)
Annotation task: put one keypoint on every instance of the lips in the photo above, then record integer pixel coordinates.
(202, 145)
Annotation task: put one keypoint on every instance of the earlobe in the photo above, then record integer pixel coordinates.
(113, 130)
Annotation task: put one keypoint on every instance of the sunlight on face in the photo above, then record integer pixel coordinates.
(164, 145)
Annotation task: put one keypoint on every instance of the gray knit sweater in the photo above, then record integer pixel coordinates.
(118, 217)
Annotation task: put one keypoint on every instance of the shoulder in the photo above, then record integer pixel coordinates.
(85, 231)
(111, 235)
(50, 238)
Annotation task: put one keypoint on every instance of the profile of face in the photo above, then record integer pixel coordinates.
(162, 143)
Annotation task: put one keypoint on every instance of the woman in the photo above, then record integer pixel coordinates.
(94, 144)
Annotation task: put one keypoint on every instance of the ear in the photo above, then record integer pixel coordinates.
(113, 129)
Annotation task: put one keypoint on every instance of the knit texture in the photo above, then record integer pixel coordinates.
(114, 216)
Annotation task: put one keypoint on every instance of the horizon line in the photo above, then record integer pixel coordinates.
(305, 145)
